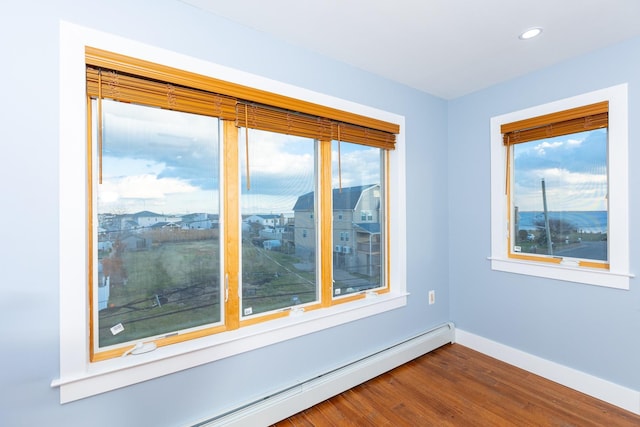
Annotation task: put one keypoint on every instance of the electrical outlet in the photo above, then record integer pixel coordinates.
(432, 297)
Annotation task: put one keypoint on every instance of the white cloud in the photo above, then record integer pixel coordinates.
(145, 186)
(358, 167)
(276, 154)
(566, 190)
(541, 148)
(564, 177)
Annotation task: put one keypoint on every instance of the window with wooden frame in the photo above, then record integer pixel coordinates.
(211, 205)
(358, 178)
(559, 190)
(557, 186)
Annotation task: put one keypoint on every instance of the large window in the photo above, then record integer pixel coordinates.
(559, 190)
(166, 263)
(204, 245)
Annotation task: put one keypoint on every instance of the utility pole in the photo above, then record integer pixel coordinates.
(546, 220)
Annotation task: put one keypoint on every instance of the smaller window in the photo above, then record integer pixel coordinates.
(559, 190)
(558, 185)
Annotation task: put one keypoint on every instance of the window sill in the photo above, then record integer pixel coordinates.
(111, 374)
(589, 276)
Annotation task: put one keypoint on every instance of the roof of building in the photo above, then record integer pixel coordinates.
(264, 216)
(343, 199)
(369, 227)
(146, 214)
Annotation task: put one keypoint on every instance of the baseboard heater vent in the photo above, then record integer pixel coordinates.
(285, 403)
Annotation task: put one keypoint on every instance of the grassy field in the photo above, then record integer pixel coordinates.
(169, 287)
(272, 281)
(175, 285)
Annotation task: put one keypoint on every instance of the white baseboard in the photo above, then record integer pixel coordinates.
(607, 391)
(285, 403)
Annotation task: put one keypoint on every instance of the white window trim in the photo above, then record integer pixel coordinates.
(618, 274)
(80, 378)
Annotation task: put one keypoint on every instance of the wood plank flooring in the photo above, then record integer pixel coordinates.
(457, 386)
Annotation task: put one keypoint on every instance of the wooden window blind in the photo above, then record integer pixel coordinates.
(580, 119)
(292, 123)
(364, 136)
(281, 121)
(133, 80)
(127, 88)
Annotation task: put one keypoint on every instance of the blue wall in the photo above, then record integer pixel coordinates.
(29, 233)
(591, 329)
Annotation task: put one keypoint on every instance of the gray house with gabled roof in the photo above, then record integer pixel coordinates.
(356, 228)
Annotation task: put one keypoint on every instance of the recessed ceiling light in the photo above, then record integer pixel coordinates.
(531, 33)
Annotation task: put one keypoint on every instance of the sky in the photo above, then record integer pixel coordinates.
(574, 168)
(167, 162)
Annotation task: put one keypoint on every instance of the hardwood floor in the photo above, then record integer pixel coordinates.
(457, 386)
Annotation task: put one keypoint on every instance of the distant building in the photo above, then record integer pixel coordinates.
(356, 228)
(199, 221)
(135, 242)
(147, 219)
(266, 220)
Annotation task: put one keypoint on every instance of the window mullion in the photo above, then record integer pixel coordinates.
(386, 221)
(230, 244)
(325, 223)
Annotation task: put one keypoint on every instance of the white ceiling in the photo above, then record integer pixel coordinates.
(447, 48)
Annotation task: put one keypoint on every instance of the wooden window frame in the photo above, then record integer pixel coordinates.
(560, 123)
(118, 83)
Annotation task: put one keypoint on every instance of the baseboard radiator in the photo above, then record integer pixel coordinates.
(285, 403)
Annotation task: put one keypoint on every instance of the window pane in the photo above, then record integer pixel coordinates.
(278, 226)
(156, 252)
(569, 175)
(357, 213)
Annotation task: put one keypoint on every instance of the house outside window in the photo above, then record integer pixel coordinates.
(358, 267)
